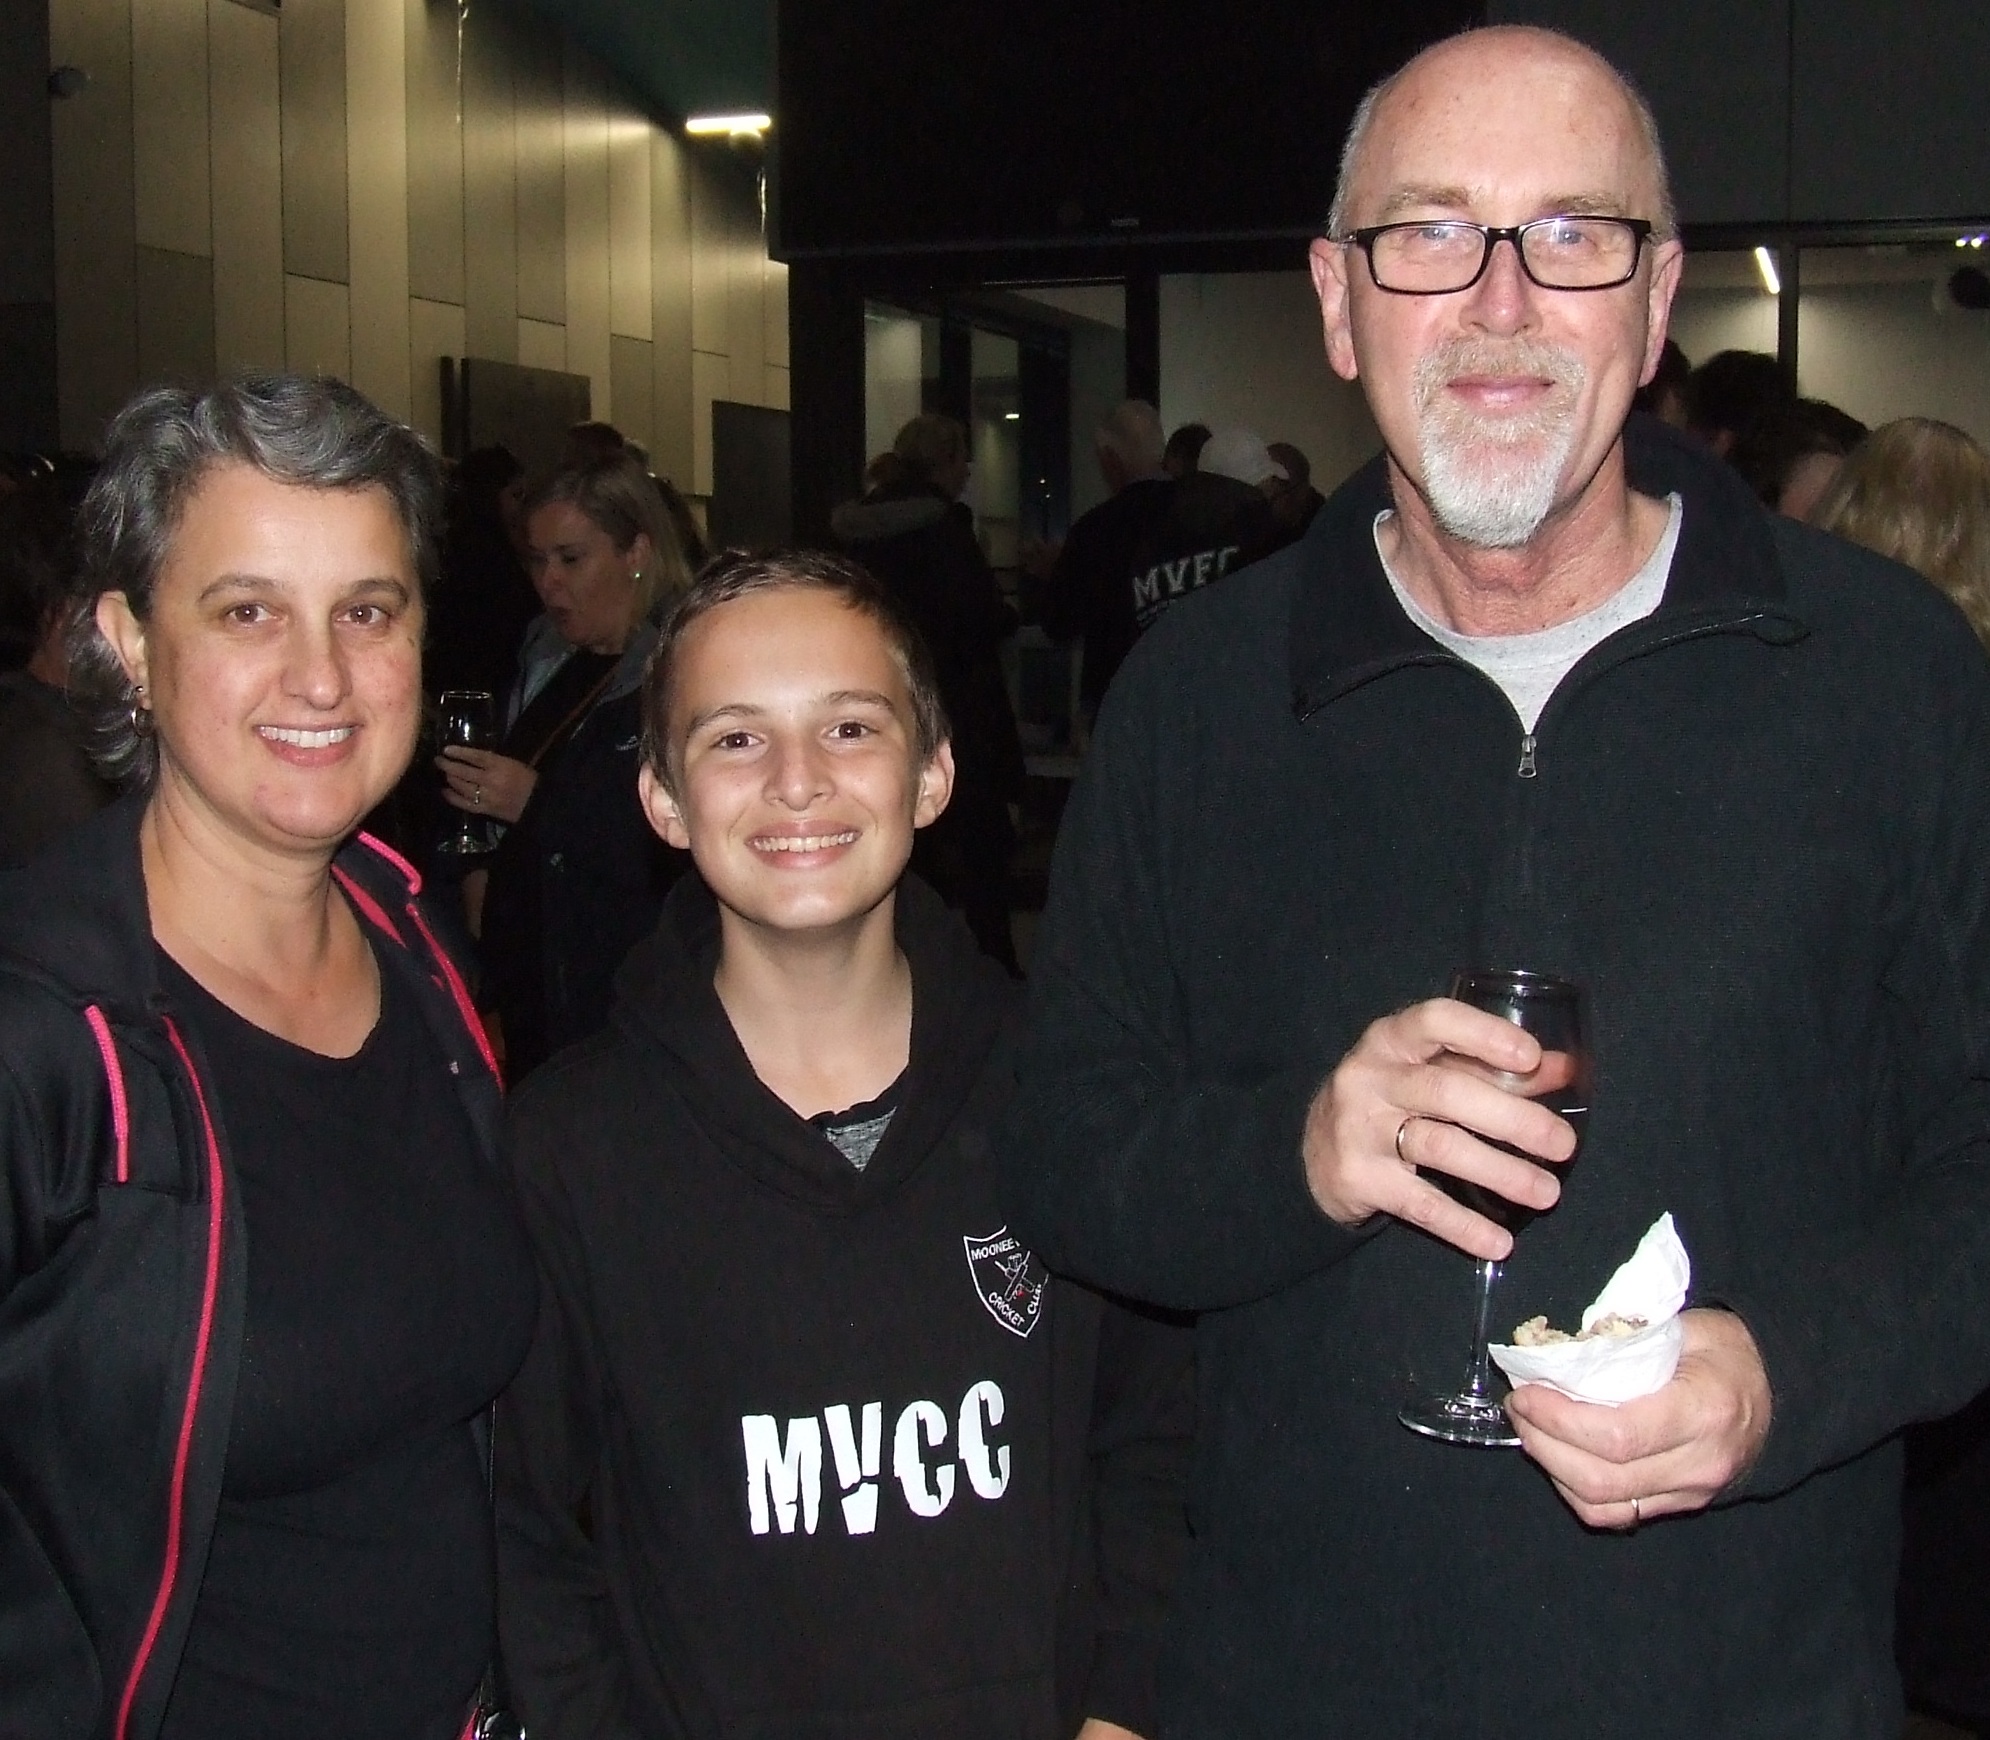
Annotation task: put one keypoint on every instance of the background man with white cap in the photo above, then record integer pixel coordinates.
(1218, 520)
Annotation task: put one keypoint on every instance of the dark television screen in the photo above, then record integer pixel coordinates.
(928, 124)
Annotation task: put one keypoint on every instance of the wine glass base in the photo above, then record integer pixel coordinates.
(1461, 1420)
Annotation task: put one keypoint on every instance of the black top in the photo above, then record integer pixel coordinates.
(853, 1463)
(47, 784)
(552, 715)
(1091, 591)
(390, 1296)
(1756, 827)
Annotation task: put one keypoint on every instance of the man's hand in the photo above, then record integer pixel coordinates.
(1672, 1451)
(1420, 1089)
(1094, 1729)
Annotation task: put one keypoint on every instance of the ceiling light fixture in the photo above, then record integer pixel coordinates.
(1765, 263)
(733, 126)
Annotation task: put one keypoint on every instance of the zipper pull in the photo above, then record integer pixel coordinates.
(1527, 769)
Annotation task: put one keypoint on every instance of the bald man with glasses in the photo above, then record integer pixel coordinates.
(1543, 687)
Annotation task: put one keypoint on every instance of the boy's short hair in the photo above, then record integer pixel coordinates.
(734, 575)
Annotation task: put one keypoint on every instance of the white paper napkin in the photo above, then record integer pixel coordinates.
(1613, 1369)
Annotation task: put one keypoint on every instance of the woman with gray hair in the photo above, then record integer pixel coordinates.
(260, 1270)
(580, 875)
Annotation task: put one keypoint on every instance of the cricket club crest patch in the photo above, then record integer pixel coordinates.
(1008, 1280)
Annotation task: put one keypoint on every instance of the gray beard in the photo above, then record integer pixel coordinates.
(1490, 483)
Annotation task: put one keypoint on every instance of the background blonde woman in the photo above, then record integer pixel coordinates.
(579, 876)
(1919, 491)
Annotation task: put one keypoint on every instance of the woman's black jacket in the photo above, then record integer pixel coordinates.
(123, 1272)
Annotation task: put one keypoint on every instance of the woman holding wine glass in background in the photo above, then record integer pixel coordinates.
(260, 1270)
(578, 876)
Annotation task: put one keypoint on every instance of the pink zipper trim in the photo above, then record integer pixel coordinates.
(452, 980)
(210, 1287)
(380, 848)
(376, 914)
(114, 1079)
(460, 991)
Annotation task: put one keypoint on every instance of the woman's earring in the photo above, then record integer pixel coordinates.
(140, 714)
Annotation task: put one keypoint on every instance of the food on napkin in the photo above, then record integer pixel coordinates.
(1630, 1338)
(1537, 1332)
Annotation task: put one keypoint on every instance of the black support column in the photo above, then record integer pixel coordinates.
(1143, 334)
(826, 393)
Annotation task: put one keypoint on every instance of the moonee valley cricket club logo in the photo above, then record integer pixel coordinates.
(1007, 1279)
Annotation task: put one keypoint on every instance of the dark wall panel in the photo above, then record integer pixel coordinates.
(490, 188)
(1892, 110)
(175, 317)
(540, 94)
(435, 154)
(312, 57)
(1716, 73)
(28, 421)
(1043, 121)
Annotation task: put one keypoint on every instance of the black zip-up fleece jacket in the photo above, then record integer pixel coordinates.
(1756, 826)
(123, 1273)
(855, 1466)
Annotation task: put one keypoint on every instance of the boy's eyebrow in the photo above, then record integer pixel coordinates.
(748, 710)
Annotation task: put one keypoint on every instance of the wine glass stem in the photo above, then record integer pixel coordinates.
(1478, 1378)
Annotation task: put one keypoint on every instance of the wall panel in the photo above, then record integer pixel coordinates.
(628, 222)
(169, 124)
(317, 327)
(377, 158)
(175, 318)
(774, 328)
(1888, 103)
(96, 283)
(490, 188)
(312, 45)
(244, 101)
(435, 330)
(587, 247)
(1717, 75)
(711, 378)
(435, 153)
(746, 316)
(670, 304)
(542, 345)
(631, 370)
(709, 267)
(542, 198)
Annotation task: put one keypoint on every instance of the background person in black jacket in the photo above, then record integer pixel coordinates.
(1543, 687)
(578, 875)
(855, 1463)
(915, 534)
(1084, 580)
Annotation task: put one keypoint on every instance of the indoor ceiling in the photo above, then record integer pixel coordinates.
(687, 57)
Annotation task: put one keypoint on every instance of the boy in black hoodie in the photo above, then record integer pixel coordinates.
(808, 1444)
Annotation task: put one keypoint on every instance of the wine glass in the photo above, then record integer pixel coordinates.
(466, 718)
(1551, 1010)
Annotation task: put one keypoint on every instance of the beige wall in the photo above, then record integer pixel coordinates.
(1245, 348)
(356, 187)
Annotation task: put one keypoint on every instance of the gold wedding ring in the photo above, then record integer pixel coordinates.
(1637, 1513)
(477, 796)
(1400, 1128)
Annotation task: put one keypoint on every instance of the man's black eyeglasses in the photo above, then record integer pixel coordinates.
(1439, 256)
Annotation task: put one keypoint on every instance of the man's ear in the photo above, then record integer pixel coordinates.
(936, 786)
(1329, 261)
(1668, 261)
(118, 623)
(661, 808)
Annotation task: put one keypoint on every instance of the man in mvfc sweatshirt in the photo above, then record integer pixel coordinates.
(809, 1443)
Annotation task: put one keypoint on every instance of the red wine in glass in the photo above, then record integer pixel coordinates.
(1551, 1010)
(466, 717)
